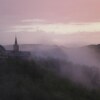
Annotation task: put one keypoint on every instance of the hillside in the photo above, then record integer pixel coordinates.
(95, 47)
(33, 80)
(41, 51)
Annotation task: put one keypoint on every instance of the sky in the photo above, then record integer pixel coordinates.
(60, 22)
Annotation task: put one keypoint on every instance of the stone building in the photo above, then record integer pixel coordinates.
(14, 53)
(3, 53)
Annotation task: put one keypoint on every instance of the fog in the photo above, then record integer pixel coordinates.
(80, 65)
(83, 56)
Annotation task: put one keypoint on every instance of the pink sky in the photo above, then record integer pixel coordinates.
(53, 10)
(84, 14)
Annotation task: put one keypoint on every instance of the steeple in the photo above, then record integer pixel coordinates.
(16, 46)
(16, 41)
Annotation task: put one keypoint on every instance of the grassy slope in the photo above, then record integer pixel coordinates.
(23, 80)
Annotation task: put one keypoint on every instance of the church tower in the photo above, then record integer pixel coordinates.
(16, 46)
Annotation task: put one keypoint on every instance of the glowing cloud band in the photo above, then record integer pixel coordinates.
(58, 28)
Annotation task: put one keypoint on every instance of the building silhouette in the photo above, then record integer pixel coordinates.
(16, 46)
(15, 53)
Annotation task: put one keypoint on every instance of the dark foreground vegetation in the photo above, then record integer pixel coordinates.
(30, 80)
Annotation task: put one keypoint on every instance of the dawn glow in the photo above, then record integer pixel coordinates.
(59, 28)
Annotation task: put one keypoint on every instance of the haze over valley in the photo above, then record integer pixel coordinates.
(49, 50)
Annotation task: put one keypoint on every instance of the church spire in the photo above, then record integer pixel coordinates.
(16, 46)
(16, 41)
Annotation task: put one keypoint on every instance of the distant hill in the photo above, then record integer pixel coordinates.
(58, 52)
(95, 47)
(40, 50)
(31, 47)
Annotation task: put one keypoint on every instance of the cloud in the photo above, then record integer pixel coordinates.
(33, 21)
(57, 28)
